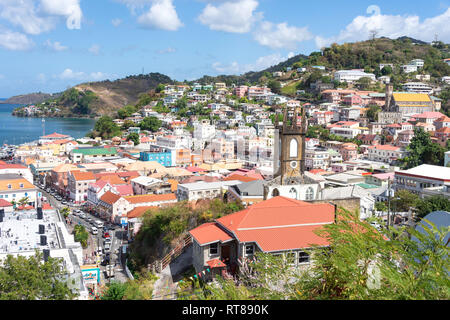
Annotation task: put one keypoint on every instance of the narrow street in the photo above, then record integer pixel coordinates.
(96, 242)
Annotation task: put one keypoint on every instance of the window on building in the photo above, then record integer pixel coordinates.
(293, 148)
(213, 249)
(249, 250)
(310, 194)
(303, 257)
(293, 193)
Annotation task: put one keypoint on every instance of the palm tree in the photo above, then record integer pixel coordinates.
(65, 211)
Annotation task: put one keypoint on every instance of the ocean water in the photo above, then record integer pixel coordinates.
(17, 130)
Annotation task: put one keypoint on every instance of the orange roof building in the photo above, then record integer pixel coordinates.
(277, 225)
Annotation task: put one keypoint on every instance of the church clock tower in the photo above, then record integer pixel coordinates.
(291, 140)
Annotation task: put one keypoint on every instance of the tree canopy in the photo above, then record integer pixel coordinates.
(30, 278)
(360, 263)
(152, 124)
(421, 150)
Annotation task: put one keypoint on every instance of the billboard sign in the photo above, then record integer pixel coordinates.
(91, 275)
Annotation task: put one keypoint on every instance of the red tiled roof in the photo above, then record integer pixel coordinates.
(209, 232)
(4, 203)
(150, 198)
(80, 176)
(124, 189)
(239, 177)
(215, 263)
(12, 166)
(276, 224)
(55, 135)
(387, 147)
(195, 169)
(47, 206)
(139, 211)
(110, 197)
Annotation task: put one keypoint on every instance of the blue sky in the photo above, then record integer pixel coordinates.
(49, 45)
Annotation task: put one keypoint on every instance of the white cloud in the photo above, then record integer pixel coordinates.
(57, 46)
(116, 22)
(15, 41)
(133, 5)
(162, 15)
(94, 49)
(38, 16)
(391, 26)
(41, 77)
(260, 64)
(277, 36)
(24, 14)
(231, 16)
(97, 76)
(70, 9)
(69, 74)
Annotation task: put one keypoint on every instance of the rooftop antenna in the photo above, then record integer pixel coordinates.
(373, 34)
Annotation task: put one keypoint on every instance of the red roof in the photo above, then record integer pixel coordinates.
(55, 135)
(12, 166)
(124, 189)
(195, 169)
(110, 197)
(4, 203)
(215, 263)
(208, 233)
(139, 211)
(277, 224)
(82, 176)
(47, 206)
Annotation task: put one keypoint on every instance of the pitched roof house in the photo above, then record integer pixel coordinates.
(278, 225)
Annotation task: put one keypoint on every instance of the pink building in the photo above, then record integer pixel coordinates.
(349, 151)
(353, 100)
(241, 91)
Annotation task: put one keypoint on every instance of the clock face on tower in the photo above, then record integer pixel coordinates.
(293, 164)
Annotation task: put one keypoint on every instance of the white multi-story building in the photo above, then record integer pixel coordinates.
(419, 178)
(204, 131)
(351, 76)
(417, 87)
(203, 190)
(408, 68)
(385, 153)
(317, 159)
(419, 63)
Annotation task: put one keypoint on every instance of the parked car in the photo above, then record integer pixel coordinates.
(106, 260)
(106, 235)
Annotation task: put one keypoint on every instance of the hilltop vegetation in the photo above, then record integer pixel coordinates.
(107, 97)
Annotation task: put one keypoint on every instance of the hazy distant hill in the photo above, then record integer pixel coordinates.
(31, 98)
(106, 97)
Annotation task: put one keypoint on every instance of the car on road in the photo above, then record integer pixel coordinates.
(64, 202)
(82, 215)
(106, 260)
(94, 230)
(105, 234)
(107, 247)
(89, 219)
(107, 241)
